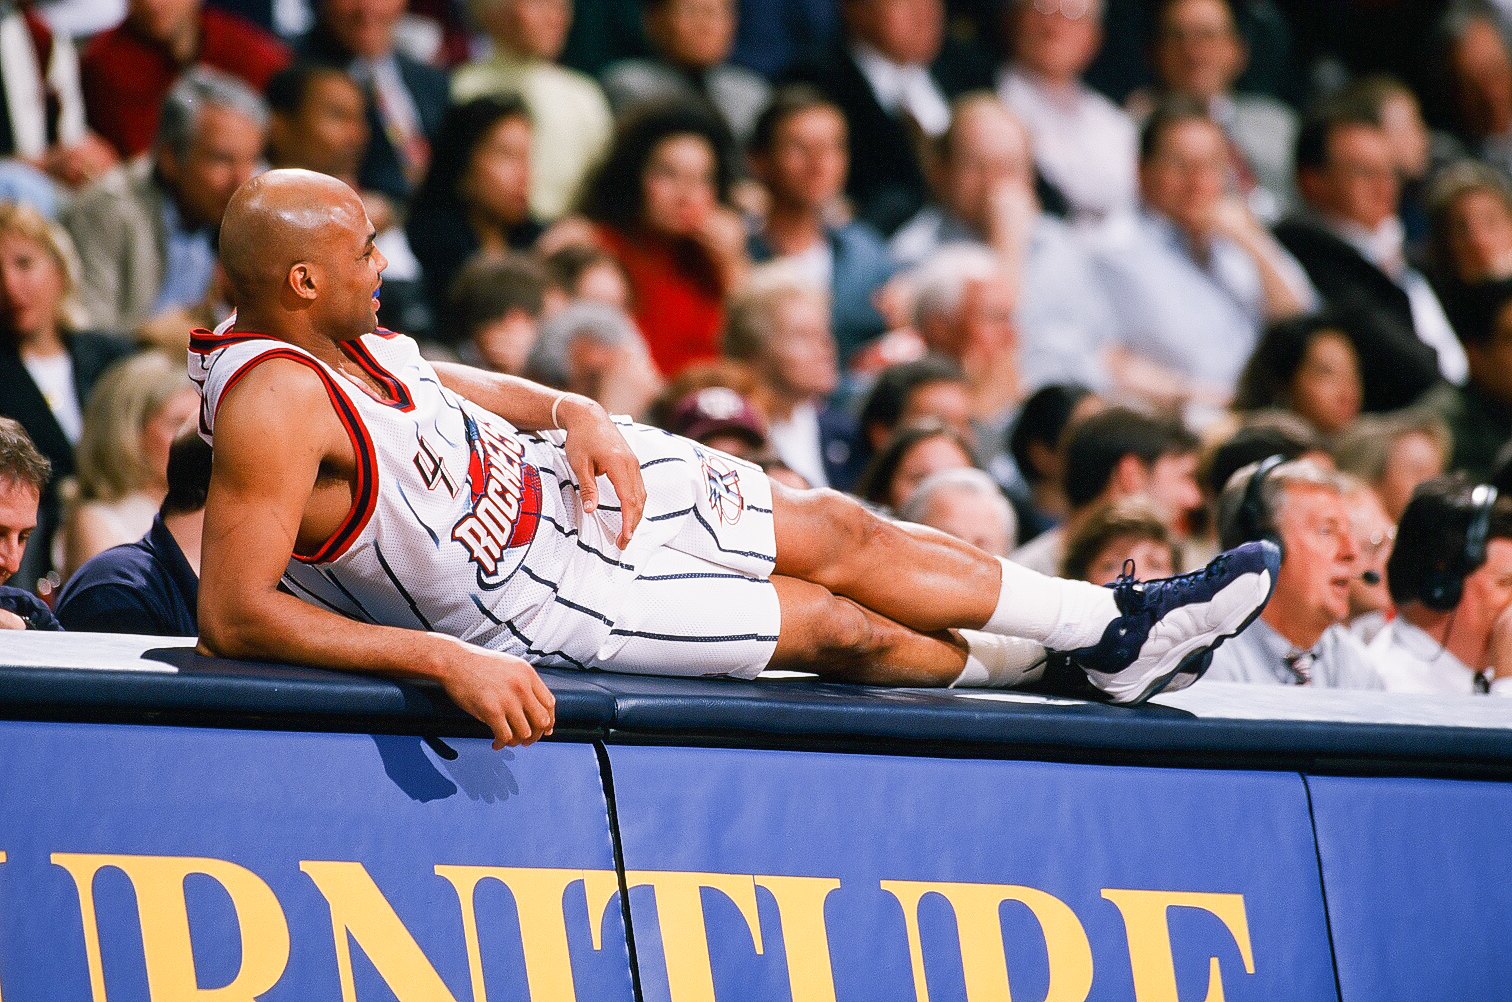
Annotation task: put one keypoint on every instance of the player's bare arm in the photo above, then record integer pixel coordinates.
(282, 479)
(595, 447)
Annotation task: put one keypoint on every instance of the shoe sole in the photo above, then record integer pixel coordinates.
(1183, 654)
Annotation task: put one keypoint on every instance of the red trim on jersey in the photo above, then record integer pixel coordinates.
(203, 342)
(398, 394)
(385, 333)
(365, 490)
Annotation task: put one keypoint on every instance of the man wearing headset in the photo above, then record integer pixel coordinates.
(1300, 639)
(1451, 578)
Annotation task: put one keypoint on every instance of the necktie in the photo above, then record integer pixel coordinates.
(1300, 664)
(1482, 684)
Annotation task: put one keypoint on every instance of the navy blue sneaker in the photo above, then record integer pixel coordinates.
(1169, 627)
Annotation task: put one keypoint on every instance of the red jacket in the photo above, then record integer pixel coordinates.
(678, 303)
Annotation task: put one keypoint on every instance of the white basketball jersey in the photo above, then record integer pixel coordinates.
(459, 522)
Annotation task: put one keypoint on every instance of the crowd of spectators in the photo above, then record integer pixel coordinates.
(1058, 277)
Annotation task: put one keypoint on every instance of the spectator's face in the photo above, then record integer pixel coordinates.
(1413, 458)
(1402, 121)
(1491, 363)
(696, 34)
(328, 132)
(927, 457)
(1185, 177)
(224, 153)
(1326, 388)
(989, 153)
(1056, 39)
(1483, 79)
(945, 401)
(1152, 559)
(1488, 589)
(1171, 485)
(31, 287)
(1480, 236)
(1374, 532)
(679, 186)
(497, 183)
(905, 31)
(505, 344)
(535, 28)
(1359, 183)
(808, 161)
(364, 27)
(970, 517)
(1321, 558)
(801, 356)
(162, 427)
(18, 517)
(604, 283)
(1197, 51)
(987, 318)
(162, 20)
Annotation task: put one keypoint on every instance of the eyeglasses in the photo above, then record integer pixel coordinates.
(1375, 545)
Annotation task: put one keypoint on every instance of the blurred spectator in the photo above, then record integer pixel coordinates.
(1470, 234)
(1307, 365)
(931, 388)
(476, 196)
(150, 586)
(659, 203)
(48, 363)
(580, 271)
(1474, 55)
(778, 324)
(782, 473)
(1480, 412)
(1113, 454)
(128, 71)
(720, 418)
(1034, 443)
(569, 117)
(1393, 453)
(1300, 638)
(315, 121)
(1193, 278)
(405, 98)
(23, 477)
(1115, 533)
(146, 231)
(966, 504)
(1199, 55)
(594, 349)
(911, 456)
(1451, 634)
(772, 34)
(134, 414)
(893, 74)
(691, 42)
(42, 128)
(1262, 434)
(1084, 144)
(1351, 243)
(798, 152)
(1374, 531)
(986, 195)
(723, 372)
(494, 314)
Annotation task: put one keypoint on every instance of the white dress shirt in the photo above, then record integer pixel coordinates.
(797, 443)
(900, 87)
(1259, 656)
(1412, 660)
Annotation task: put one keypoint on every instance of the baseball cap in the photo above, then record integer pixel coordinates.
(717, 410)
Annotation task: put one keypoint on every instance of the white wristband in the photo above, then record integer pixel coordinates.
(554, 405)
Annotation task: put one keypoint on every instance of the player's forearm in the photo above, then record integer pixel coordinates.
(526, 405)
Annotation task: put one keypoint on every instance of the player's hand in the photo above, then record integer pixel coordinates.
(595, 447)
(502, 691)
(1499, 648)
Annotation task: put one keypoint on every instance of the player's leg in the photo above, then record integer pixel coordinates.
(839, 639)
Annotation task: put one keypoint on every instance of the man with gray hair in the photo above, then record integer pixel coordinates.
(146, 231)
(968, 505)
(1300, 639)
(595, 349)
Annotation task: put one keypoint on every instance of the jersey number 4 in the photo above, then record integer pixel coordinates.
(432, 468)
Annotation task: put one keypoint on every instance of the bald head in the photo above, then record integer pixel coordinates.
(279, 219)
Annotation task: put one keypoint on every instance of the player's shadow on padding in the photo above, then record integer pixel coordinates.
(478, 772)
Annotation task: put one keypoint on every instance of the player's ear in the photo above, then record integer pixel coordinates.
(302, 280)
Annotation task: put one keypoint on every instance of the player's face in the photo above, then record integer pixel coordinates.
(18, 517)
(351, 271)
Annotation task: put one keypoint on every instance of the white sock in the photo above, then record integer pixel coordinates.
(1062, 615)
(998, 662)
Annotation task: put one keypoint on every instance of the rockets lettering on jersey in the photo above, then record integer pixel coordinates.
(504, 504)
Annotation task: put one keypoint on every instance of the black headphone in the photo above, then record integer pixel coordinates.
(1251, 521)
(1443, 586)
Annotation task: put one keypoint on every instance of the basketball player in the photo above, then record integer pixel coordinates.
(437, 522)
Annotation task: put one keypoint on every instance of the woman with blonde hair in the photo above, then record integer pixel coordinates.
(48, 364)
(132, 418)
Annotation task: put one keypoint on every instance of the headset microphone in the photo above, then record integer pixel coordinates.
(1371, 578)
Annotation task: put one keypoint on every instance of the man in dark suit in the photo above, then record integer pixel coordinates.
(893, 74)
(405, 97)
(1350, 241)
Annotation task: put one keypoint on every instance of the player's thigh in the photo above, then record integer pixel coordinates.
(820, 630)
(818, 532)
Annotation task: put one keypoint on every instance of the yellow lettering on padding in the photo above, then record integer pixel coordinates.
(979, 930)
(166, 947)
(1150, 952)
(538, 896)
(685, 941)
(800, 907)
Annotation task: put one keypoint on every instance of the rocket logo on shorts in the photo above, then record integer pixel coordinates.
(503, 505)
(723, 483)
